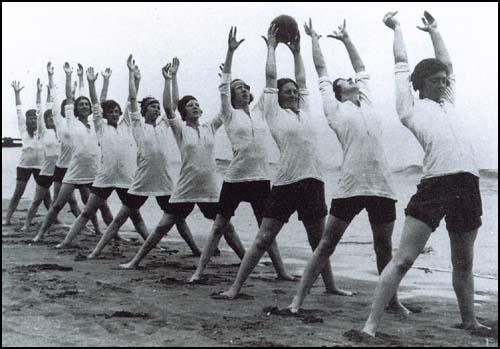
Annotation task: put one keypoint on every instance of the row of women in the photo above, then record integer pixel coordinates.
(95, 158)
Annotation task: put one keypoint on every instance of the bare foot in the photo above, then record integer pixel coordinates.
(61, 245)
(38, 238)
(341, 292)
(24, 228)
(398, 308)
(286, 277)
(294, 308)
(230, 294)
(92, 256)
(195, 277)
(128, 266)
(478, 329)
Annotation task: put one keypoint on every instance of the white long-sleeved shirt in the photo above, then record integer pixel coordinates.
(438, 127)
(248, 135)
(61, 124)
(83, 164)
(32, 150)
(50, 142)
(296, 139)
(197, 179)
(151, 177)
(117, 161)
(365, 169)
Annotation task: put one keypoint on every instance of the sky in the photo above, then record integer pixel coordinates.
(104, 34)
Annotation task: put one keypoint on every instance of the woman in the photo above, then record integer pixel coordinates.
(151, 176)
(365, 181)
(298, 185)
(31, 154)
(116, 166)
(450, 185)
(247, 176)
(197, 184)
(51, 147)
(83, 165)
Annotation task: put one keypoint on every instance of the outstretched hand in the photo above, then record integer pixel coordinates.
(131, 63)
(232, 42)
(79, 71)
(137, 73)
(91, 75)
(429, 23)
(174, 67)
(271, 40)
(294, 44)
(39, 86)
(340, 34)
(106, 74)
(390, 20)
(16, 85)
(166, 71)
(50, 69)
(67, 69)
(310, 30)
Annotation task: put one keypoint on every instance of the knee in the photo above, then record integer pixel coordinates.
(326, 248)
(403, 264)
(263, 241)
(87, 214)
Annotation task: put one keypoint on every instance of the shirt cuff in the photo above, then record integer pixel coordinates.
(271, 90)
(362, 75)
(401, 67)
(226, 78)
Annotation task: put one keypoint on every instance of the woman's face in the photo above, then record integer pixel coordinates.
(193, 110)
(49, 120)
(348, 87)
(435, 86)
(83, 107)
(112, 115)
(31, 121)
(288, 96)
(152, 112)
(241, 93)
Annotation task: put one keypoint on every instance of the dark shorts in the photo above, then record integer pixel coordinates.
(380, 210)
(44, 181)
(232, 194)
(24, 174)
(307, 197)
(59, 173)
(104, 193)
(183, 209)
(456, 197)
(136, 201)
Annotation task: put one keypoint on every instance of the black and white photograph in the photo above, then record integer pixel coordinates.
(249, 174)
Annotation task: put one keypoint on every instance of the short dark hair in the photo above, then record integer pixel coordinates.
(337, 89)
(75, 109)
(425, 68)
(182, 105)
(46, 114)
(30, 112)
(145, 102)
(108, 106)
(233, 93)
(284, 81)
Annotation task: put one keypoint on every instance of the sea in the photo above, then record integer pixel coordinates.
(357, 241)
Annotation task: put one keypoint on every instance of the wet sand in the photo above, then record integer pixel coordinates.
(56, 297)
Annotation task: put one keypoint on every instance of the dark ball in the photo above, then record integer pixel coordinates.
(287, 28)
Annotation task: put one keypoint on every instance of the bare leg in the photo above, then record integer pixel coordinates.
(39, 197)
(14, 201)
(233, 240)
(219, 226)
(140, 226)
(73, 205)
(382, 243)
(268, 231)
(84, 193)
(413, 240)
(462, 257)
(185, 233)
(334, 231)
(62, 198)
(47, 200)
(88, 211)
(166, 223)
(106, 214)
(111, 231)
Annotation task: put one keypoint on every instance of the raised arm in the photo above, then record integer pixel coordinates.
(132, 91)
(21, 118)
(300, 72)
(399, 47)
(81, 80)
(174, 67)
(430, 26)
(91, 78)
(272, 43)
(342, 35)
(39, 117)
(16, 85)
(106, 74)
(167, 97)
(318, 59)
(68, 88)
(225, 88)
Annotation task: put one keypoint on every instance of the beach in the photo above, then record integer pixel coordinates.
(56, 297)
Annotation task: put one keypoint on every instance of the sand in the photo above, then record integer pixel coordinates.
(55, 297)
